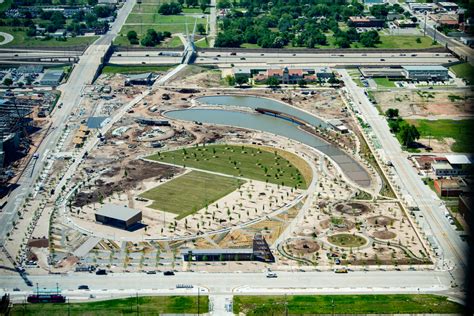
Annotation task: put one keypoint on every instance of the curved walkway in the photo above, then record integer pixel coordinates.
(7, 38)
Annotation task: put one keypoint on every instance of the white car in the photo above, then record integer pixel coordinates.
(271, 275)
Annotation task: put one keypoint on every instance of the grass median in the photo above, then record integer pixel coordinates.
(142, 305)
(344, 304)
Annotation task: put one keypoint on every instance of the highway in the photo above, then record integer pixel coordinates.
(82, 74)
(252, 59)
(453, 248)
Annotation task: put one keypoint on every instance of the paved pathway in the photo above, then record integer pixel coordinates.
(7, 38)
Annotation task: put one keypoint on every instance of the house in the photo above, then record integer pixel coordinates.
(422, 73)
(59, 33)
(140, 79)
(109, 2)
(449, 20)
(362, 21)
(52, 77)
(118, 216)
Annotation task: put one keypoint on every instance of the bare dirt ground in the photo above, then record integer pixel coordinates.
(456, 103)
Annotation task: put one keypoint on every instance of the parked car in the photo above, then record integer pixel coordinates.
(83, 287)
(271, 274)
(101, 272)
(168, 273)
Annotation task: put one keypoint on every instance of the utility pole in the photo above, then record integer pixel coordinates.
(137, 303)
(199, 290)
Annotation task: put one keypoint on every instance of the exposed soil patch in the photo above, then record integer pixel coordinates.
(384, 234)
(303, 246)
(380, 220)
(133, 173)
(38, 243)
(352, 208)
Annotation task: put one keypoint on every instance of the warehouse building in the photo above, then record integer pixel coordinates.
(145, 79)
(52, 77)
(259, 252)
(118, 216)
(423, 73)
(382, 72)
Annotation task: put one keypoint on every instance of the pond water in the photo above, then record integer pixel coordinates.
(276, 126)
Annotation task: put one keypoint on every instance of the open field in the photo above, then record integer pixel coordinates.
(117, 69)
(20, 39)
(247, 162)
(344, 304)
(460, 130)
(146, 305)
(465, 71)
(190, 192)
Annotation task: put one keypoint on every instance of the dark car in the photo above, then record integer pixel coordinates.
(168, 273)
(151, 272)
(83, 287)
(101, 272)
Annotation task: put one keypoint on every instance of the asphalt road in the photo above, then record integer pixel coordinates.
(453, 248)
(218, 283)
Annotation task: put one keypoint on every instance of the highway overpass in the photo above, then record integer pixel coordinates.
(250, 58)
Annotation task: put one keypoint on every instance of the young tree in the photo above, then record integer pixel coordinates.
(273, 82)
(201, 29)
(241, 80)
(408, 134)
(391, 113)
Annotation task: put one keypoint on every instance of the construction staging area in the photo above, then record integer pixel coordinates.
(141, 190)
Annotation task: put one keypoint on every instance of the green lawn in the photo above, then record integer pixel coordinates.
(202, 44)
(384, 82)
(347, 240)
(247, 162)
(405, 41)
(465, 71)
(460, 130)
(118, 69)
(5, 5)
(191, 192)
(147, 305)
(20, 39)
(173, 42)
(344, 304)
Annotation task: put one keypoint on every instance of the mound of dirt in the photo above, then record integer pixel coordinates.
(303, 246)
(353, 208)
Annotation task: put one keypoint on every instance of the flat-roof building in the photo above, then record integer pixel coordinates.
(422, 7)
(422, 73)
(365, 21)
(259, 252)
(140, 79)
(382, 72)
(455, 165)
(118, 216)
(448, 6)
(52, 77)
